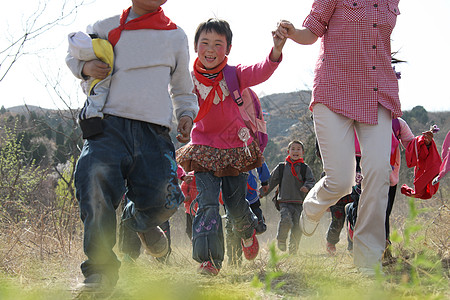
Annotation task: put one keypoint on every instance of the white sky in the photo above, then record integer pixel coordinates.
(422, 37)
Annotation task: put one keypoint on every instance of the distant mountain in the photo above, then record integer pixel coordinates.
(23, 109)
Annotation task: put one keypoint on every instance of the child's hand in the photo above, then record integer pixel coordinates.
(184, 129)
(188, 178)
(428, 137)
(285, 29)
(278, 44)
(263, 190)
(96, 69)
(304, 189)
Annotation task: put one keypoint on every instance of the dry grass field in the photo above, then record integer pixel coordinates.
(40, 262)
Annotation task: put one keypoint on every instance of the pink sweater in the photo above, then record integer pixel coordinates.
(219, 128)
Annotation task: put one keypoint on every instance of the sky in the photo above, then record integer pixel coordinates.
(40, 77)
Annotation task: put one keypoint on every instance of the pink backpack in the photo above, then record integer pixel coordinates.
(249, 107)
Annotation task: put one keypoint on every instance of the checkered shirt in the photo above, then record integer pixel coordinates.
(353, 72)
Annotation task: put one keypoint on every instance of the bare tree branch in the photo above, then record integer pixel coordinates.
(35, 26)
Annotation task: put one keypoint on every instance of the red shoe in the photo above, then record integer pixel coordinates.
(331, 249)
(207, 268)
(251, 251)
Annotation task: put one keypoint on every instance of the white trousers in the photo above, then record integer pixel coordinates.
(335, 135)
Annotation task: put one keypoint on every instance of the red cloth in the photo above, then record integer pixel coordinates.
(426, 162)
(199, 69)
(154, 20)
(293, 163)
(190, 193)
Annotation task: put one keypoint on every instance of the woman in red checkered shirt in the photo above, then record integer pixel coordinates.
(354, 87)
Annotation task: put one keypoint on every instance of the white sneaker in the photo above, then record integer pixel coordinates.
(308, 226)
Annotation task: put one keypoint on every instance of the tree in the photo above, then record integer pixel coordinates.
(417, 114)
(19, 179)
(34, 25)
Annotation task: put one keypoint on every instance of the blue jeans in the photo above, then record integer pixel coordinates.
(133, 158)
(207, 231)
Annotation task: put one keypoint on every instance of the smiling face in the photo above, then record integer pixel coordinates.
(211, 48)
(295, 151)
(142, 7)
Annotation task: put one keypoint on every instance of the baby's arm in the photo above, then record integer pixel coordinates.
(302, 36)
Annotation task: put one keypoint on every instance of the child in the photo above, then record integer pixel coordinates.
(255, 176)
(131, 152)
(221, 150)
(337, 212)
(295, 179)
(355, 88)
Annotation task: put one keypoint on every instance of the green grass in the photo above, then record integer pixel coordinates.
(421, 272)
(309, 275)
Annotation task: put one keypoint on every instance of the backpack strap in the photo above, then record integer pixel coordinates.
(231, 79)
(303, 171)
(396, 127)
(281, 167)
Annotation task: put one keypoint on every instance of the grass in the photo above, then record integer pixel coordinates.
(421, 271)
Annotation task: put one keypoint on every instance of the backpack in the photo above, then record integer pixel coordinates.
(249, 107)
(281, 167)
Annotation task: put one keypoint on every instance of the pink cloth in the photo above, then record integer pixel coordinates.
(219, 128)
(405, 137)
(445, 166)
(427, 162)
(180, 172)
(353, 72)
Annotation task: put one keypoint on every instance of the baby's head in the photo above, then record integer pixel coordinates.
(212, 42)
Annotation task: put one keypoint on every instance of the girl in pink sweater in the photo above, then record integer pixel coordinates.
(221, 150)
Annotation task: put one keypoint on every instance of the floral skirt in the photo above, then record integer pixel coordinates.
(222, 162)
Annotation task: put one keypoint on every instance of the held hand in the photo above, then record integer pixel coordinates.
(285, 29)
(278, 44)
(188, 178)
(96, 69)
(304, 189)
(184, 129)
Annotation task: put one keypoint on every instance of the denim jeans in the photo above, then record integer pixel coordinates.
(133, 158)
(207, 231)
(290, 221)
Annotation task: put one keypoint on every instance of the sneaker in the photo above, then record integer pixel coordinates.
(331, 249)
(95, 285)
(154, 241)
(251, 251)
(281, 245)
(261, 227)
(308, 226)
(207, 268)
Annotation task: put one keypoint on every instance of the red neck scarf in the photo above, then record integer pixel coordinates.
(199, 69)
(293, 163)
(154, 20)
